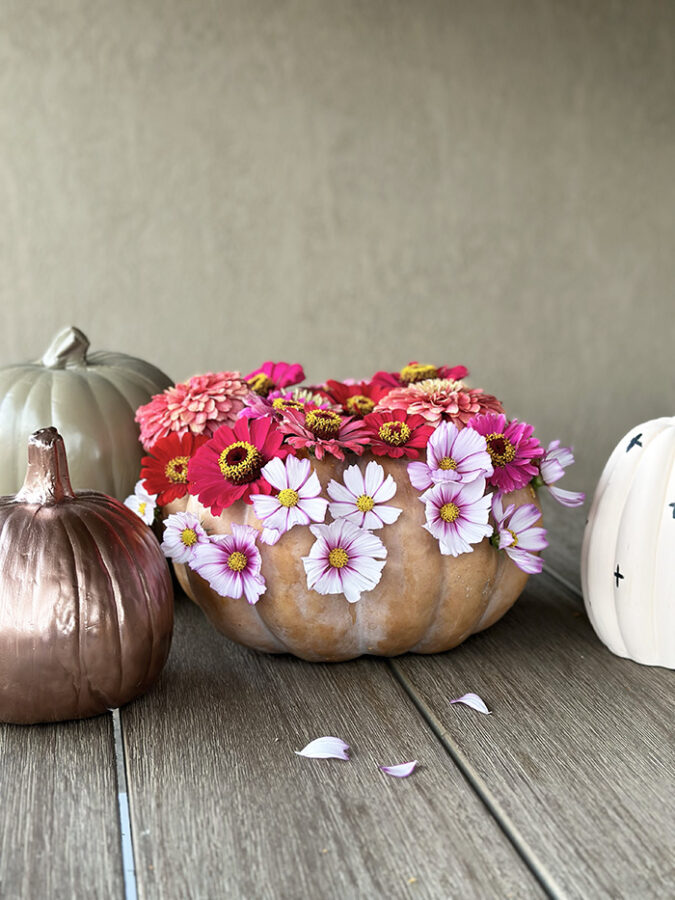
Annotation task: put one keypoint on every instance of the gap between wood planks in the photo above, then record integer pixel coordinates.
(534, 864)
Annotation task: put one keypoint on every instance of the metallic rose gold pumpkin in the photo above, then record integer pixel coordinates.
(86, 603)
(424, 603)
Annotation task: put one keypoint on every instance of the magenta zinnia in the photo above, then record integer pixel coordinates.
(323, 431)
(229, 466)
(415, 372)
(344, 559)
(513, 451)
(457, 515)
(231, 564)
(397, 434)
(199, 405)
(440, 399)
(273, 376)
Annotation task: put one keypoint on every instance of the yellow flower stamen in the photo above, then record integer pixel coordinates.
(337, 558)
(364, 503)
(394, 433)
(141, 507)
(324, 423)
(500, 448)
(514, 536)
(240, 462)
(261, 384)
(281, 403)
(237, 561)
(176, 469)
(188, 536)
(288, 497)
(449, 512)
(447, 463)
(417, 372)
(359, 405)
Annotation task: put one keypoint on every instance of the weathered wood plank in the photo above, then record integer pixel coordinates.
(221, 805)
(60, 833)
(579, 753)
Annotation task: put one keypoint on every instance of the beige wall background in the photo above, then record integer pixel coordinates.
(352, 185)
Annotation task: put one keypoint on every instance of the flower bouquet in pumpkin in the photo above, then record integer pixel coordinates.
(382, 516)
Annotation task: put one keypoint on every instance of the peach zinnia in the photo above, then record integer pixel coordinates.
(440, 399)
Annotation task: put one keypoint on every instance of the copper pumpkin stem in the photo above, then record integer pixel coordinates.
(47, 480)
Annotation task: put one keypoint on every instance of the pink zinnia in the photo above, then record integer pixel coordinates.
(440, 399)
(272, 376)
(229, 466)
(297, 501)
(512, 449)
(457, 515)
(415, 372)
(452, 455)
(231, 564)
(344, 559)
(323, 431)
(516, 534)
(199, 405)
(552, 467)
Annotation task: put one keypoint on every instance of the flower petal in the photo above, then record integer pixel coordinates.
(325, 748)
(402, 770)
(354, 482)
(474, 701)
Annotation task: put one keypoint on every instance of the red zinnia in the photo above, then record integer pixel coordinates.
(397, 434)
(512, 450)
(165, 472)
(356, 399)
(414, 372)
(227, 468)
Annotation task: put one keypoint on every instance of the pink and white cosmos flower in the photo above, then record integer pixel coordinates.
(517, 535)
(452, 455)
(457, 515)
(231, 564)
(142, 503)
(552, 468)
(360, 499)
(297, 501)
(344, 559)
(182, 533)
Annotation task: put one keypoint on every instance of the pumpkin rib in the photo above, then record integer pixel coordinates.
(78, 608)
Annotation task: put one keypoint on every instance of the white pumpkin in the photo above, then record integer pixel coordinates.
(628, 555)
(91, 399)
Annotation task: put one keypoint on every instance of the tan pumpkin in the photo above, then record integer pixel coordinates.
(86, 602)
(91, 399)
(424, 603)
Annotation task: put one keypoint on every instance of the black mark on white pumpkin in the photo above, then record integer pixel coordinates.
(617, 575)
(672, 506)
(634, 442)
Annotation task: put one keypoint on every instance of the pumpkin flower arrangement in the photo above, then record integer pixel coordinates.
(264, 484)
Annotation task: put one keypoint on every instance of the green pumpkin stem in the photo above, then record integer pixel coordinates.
(47, 480)
(69, 348)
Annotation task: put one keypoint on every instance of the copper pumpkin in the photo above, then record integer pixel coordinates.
(424, 603)
(86, 603)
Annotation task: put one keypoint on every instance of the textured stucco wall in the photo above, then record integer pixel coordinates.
(353, 185)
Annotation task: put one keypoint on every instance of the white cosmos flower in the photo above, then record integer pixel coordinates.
(344, 559)
(360, 499)
(142, 503)
(182, 533)
(296, 502)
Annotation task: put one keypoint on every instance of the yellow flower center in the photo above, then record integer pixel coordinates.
(324, 423)
(261, 384)
(337, 558)
(240, 463)
(447, 463)
(514, 536)
(500, 448)
(417, 372)
(359, 405)
(364, 503)
(176, 469)
(288, 497)
(394, 433)
(281, 403)
(237, 561)
(141, 507)
(449, 512)
(188, 536)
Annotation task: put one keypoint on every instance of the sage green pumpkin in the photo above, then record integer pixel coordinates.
(91, 400)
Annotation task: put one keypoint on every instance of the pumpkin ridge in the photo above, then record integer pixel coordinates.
(78, 607)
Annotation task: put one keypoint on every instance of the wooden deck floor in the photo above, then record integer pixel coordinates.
(567, 790)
